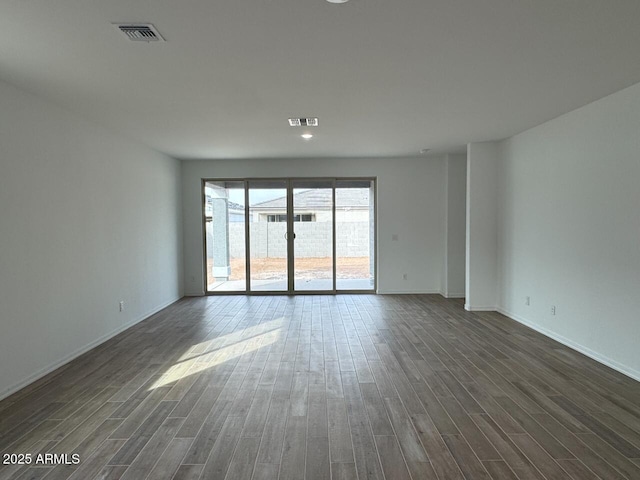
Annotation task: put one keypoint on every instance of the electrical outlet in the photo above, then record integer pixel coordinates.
(553, 309)
(527, 301)
(122, 305)
(405, 276)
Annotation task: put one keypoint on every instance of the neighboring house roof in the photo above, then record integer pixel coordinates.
(232, 205)
(235, 206)
(319, 199)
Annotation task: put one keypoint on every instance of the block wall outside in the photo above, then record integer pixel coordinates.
(313, 239)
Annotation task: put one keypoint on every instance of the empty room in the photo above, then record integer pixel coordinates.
(319, 239)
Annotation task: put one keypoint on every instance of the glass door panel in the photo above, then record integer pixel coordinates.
(225, 236)
(289, 235)
(355, 235)
(313, 235)
(268, 235)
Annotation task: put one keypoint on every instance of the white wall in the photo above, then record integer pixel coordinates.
(87, 219)
(453, 281)
(569, 229)
(482, 216)
(410, 204)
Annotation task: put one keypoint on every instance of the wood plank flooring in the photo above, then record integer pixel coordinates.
(327, 387)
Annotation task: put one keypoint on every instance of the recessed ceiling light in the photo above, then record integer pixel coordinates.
(306, 136)
(337, 1)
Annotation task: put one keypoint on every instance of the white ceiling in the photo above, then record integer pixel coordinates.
(385, 77)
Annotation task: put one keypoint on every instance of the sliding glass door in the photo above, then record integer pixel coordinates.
(268, 259)
(290, 236)
(313, 235)
(225, 233)
(355, 234)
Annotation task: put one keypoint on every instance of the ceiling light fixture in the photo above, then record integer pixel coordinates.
(337, 1)
(306, 136)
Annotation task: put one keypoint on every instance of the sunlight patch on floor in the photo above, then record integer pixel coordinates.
(235, 345)
(214, 344)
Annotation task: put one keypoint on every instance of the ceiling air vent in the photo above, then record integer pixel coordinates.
(140, 32)
(303, 122)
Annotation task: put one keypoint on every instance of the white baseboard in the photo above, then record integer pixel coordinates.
(66, 359)
(470, 308)
(598, 357)
(453, 295)
(194, 293)
(408, 292)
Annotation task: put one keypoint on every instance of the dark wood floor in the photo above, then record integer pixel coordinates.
(319, 387)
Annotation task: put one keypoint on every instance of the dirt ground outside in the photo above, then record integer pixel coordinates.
(306, 268)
